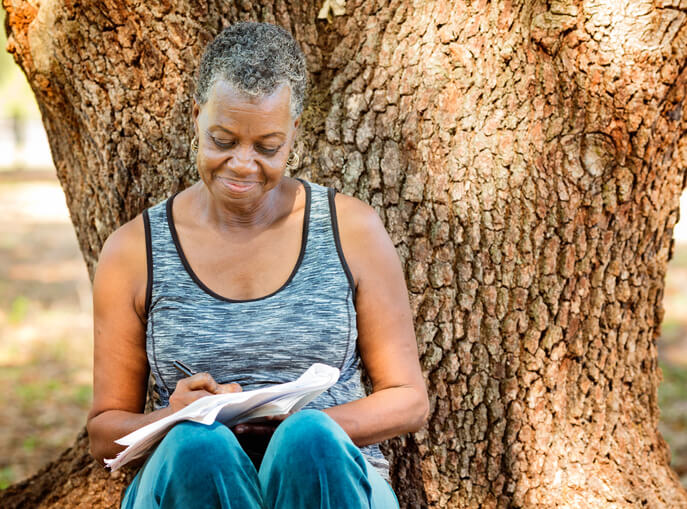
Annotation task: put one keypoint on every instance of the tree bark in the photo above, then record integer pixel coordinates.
(527, 159)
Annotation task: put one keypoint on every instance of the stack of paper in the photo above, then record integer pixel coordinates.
(231, 409)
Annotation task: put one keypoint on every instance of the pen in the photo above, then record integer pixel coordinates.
(183, 368)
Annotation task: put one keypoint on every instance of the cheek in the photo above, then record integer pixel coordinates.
(209, 160)
(275, 167)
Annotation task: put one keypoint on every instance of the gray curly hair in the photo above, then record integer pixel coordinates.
(255, 58)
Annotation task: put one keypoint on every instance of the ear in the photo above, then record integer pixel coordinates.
(297, 122)
(195, 111)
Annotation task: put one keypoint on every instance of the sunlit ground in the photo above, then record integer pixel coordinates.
(45, 327)
(46, 338)
(672, 351)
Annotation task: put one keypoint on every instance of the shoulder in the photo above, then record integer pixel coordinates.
(357, 218)
(123, 265)
(365, 242)
(125, 244)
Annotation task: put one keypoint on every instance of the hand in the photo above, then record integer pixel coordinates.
(198, 386)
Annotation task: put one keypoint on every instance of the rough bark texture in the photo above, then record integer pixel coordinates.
(527, 159)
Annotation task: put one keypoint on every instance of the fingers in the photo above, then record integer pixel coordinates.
(228, 388)
(191, 396)
(192, 388)
(181, 397)
(198, 386)
(199, 381)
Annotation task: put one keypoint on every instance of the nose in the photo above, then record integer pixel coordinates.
(241, 162)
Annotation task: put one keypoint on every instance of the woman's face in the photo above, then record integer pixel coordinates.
(243, 142)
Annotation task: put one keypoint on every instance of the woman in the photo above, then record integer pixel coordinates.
(249, 277)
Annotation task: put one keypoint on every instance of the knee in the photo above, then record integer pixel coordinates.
(311, 433)
(191, 443)
(194, 466)
(311, 454)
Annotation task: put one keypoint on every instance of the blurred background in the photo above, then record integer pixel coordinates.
(45, 303)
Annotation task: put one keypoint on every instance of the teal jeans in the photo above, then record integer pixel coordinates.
(310, 462)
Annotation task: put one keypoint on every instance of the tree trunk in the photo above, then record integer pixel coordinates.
(527, 159)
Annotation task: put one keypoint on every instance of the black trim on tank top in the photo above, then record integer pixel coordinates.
(149, 261)
(206, 289)
(331, 193)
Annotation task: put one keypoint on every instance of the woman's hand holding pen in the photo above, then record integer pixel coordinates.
(198, 386)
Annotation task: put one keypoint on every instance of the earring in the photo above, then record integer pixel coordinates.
(292, 161)
(194, 144)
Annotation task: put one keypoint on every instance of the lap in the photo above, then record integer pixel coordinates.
(307, 448)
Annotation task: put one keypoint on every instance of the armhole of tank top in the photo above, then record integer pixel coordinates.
(149, 261)
(331, 194)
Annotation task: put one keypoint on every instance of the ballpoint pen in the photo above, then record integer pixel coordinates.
(183, 368)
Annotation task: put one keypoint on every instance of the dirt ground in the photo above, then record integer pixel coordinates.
(45, 326)
(46, 337)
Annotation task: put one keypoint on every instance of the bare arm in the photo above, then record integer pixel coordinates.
(120, 369)
(386, 338)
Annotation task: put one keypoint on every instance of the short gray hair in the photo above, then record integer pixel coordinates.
(255, 58)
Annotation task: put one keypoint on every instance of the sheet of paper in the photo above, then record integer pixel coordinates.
(231, 409)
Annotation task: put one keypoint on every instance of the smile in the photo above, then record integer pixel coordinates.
(236, 185)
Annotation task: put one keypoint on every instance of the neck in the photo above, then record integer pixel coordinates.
(238, 216)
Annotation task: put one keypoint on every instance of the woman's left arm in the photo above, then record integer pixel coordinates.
(386, 338)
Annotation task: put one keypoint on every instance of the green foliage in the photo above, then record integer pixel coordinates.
(40, 390)
(30, 443)
(17, 98)
(82, 395)
(673, 389)
(6, 477)
(679, 259)
(6, 62)
(18, 310)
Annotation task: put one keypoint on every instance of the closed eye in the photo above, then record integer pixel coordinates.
(223, 144)
(268, 151)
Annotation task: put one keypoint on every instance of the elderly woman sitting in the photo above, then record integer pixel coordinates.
(249, 277)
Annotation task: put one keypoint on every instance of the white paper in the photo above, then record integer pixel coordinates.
(231, 409)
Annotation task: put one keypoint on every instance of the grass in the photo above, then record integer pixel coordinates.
(672, 393)
(18, 310)
(45, 330)
(30, 443)
(81, 395)
(7, 477)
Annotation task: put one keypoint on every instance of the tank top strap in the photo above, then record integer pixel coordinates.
(163, 261)
(323, 234)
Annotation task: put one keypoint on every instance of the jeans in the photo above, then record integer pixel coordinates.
(310, 462)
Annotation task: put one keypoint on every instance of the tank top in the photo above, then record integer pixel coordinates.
(257, 342)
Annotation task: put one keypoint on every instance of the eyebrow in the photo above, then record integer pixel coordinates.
(276, 133)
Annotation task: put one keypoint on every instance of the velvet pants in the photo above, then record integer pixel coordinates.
(310, 462)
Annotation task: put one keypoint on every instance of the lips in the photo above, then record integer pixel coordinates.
(237, 186)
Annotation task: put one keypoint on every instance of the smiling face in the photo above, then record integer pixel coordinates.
(243, 142)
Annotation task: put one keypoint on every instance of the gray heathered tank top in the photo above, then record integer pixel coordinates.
(272, 339)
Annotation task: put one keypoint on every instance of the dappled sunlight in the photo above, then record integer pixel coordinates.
(65, 270)
(39, 202)
(60, 335)
(631, 25)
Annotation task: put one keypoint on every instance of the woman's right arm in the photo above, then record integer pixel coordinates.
(120, 365)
